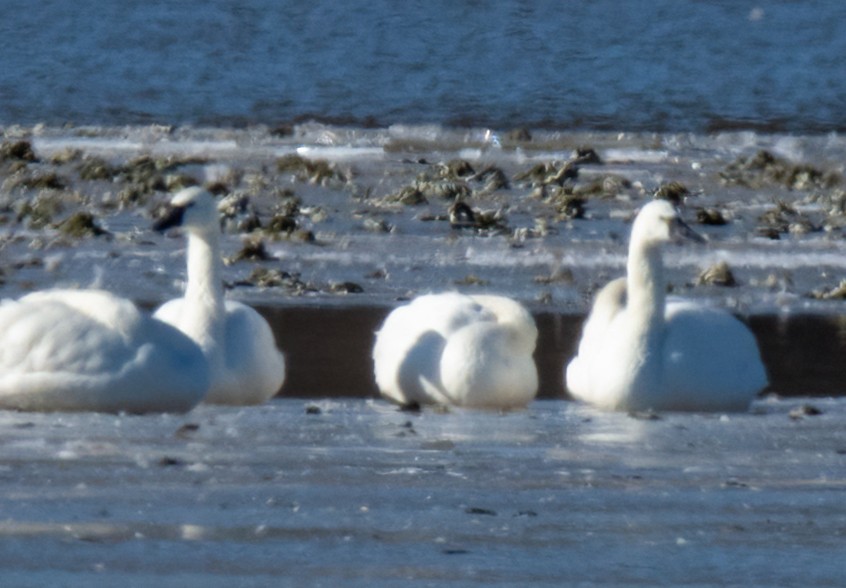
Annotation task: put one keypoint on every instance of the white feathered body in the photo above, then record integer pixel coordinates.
(452, 349)
(88, 350)
(700, 359)
(248, 368)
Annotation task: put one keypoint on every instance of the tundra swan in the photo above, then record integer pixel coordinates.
(452, 349)
(246, 366)
(640, 351)
(88, 350)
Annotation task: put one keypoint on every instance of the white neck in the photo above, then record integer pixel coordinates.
(642, 341)
(645, 284)
(204, 314)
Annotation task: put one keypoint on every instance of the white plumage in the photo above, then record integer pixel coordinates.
(246, 366)
(452, 349)
(88, 350)
(639, 351)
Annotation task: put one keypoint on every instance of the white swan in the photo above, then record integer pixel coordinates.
(452, 349)
(88, 350)
(246, 366)
(639, 351)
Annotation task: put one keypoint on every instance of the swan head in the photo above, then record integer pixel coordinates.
(510, 313)
(193, 209)
(660, 222)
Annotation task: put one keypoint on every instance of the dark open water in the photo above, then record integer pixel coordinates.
(329, 351)
(665, 65)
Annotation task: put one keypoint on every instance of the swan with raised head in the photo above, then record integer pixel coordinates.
(457, 350)
(88, 350)
(640, 351)
(246, 366)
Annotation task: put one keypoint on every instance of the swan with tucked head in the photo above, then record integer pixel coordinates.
(457, 350)
(640, 351)
(88, 350)
(246, 366)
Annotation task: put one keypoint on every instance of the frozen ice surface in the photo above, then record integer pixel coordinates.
(394, 250)
(357, 493)
(361, 494)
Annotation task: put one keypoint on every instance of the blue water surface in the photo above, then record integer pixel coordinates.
(666, 65)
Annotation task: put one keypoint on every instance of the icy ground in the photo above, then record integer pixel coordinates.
(356, 493)
(349, 216)
(320, 217)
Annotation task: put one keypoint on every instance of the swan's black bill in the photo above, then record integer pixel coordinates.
(172, 218)
(681, 232)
